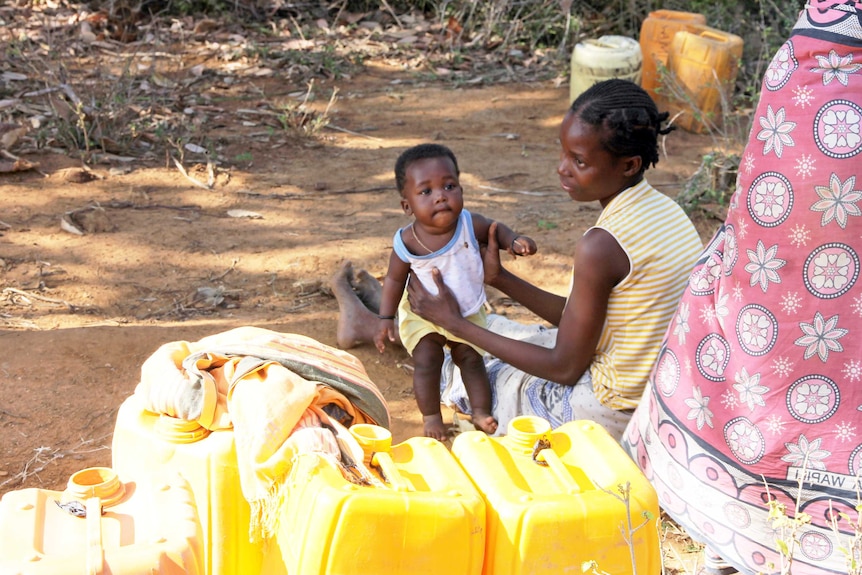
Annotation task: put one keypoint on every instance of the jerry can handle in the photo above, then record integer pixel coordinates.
(383, 460)
(713, 36)
(559, 469)
(95, 553)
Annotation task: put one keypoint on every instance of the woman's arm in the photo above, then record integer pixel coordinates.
(546, 305)
(600, 264)
(510, 240)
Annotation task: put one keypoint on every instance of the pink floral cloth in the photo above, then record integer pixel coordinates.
(758, 386)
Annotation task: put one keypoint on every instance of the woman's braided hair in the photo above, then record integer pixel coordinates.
(627, 116)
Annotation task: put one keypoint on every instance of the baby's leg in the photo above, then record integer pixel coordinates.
(428, 362)
(477, 385)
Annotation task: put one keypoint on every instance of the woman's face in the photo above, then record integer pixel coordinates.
(588, 172)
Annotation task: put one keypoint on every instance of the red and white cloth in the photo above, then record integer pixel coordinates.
(758, 386)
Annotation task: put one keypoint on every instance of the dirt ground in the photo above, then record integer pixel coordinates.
(162, 259)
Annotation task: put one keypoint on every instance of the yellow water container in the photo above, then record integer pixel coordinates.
(703, 65)
(657, 32)
(101, 524)
(594, 60)
(146, 442)
(553, 500)
(420, 514)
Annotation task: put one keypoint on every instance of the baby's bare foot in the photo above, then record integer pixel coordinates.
(434, 427)
(484, 421)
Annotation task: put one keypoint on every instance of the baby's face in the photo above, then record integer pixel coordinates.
(432, 193)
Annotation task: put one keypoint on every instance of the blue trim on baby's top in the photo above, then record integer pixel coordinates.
(405, 254)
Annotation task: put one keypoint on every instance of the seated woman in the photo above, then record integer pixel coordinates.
(628, 273)
(757, 390)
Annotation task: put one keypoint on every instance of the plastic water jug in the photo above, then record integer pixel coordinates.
(106, 525)
(656, 35)
(146, 442)
(702, 65)
(421, 515)
(603, 58)
(554, 501)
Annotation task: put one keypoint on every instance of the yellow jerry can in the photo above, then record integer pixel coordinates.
(555, 500)
(419, 513)
(145, 442)
(101, 524)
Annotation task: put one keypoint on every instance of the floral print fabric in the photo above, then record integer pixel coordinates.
(758, 387)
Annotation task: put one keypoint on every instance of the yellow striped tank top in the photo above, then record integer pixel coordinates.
(662, 246)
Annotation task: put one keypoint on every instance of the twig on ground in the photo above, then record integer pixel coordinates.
(26, 295)
(40, 461)
(351, 132)
(119, 205)
(315, 195)
(10, 414)
(188, 177)
(227, 271)
(494, 190)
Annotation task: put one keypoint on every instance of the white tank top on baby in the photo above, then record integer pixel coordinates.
(459, 261)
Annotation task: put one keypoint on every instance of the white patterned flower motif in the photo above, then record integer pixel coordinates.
(776, 131)
(713, 356)
(837, 200)
(806, 454)
(744, 440)
(780, 67)
(763, 265)
(721, 309)
(667, 376)
(749, 388)
(840, 129)
(835, 67)
(770, 198)
(681, 327)
(698, 408)
(821, 336)
(831, 270)
(754, 330)
(812, 399)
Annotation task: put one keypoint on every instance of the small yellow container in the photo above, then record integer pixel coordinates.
(146, 442)
(595, 60)
(656, 35)
(553, 500)
(422, 515)
(703, 63)
(129, 528)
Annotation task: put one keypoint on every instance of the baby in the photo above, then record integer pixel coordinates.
(446, 237)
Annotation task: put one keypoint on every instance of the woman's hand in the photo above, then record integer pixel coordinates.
(441, 309)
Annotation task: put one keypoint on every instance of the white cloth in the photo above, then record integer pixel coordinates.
(514, 392)
(459, 261)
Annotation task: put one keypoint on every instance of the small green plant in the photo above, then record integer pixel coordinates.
(628, 530)
(709, 189)
(852, 547)
(546, 225)
(786, 530)
(244, 158)
(301, 118)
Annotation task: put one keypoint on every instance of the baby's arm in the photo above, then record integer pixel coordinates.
(515, 243)
(393, 288)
